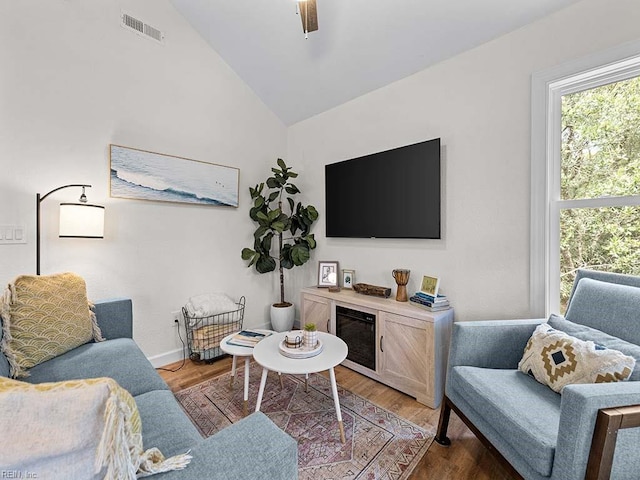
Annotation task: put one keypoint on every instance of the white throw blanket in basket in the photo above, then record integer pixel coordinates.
(207, 305)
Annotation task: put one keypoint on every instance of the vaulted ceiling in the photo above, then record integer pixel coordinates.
(361, 45)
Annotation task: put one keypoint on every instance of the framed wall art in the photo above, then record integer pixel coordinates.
(143, 175)
(328, 274)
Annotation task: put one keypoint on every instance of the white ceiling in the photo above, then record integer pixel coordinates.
(361, 45)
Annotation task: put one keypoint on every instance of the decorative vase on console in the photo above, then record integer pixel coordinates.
(401, 275)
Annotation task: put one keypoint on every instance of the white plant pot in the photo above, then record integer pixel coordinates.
(282, 317)
(310, 338)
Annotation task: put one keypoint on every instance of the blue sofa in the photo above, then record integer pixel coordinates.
(253, 448)
(537, 433)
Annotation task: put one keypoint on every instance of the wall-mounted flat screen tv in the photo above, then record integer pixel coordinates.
(390, 194)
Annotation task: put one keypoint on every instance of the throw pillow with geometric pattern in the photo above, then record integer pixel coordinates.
(556, 359)
(43, 317)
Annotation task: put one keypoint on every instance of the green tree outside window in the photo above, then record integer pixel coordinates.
(600, 158)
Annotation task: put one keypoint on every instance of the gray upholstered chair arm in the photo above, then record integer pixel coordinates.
(115, 318)
(491, 343)
(578, 412)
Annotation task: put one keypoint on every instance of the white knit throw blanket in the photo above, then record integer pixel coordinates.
(76, 429)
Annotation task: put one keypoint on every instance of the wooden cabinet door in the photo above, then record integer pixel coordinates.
(316, 310)
(405, 347)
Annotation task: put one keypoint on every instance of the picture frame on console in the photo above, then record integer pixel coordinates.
(328, 274)
(348, 278)
(430, 285)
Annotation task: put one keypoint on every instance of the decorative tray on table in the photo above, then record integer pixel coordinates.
(293, 347)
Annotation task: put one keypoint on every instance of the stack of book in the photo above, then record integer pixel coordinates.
(429, 302)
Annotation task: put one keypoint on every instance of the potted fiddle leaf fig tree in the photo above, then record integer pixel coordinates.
(282, 221)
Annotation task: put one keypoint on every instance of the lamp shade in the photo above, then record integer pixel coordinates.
(81, 220)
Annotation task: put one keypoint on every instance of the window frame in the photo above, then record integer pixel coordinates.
(547, 89)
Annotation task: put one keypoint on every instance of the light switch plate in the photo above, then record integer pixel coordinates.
(12, 234)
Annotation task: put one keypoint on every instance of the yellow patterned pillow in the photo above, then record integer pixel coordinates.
(43, 317)
(76, 429)
(556, 359)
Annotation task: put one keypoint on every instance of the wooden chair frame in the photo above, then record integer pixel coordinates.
(605, 434)
(442, 439)
(603, 443)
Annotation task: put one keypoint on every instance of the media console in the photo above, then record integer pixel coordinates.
(411, 344)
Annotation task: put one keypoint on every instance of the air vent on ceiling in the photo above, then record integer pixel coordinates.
(142, 28)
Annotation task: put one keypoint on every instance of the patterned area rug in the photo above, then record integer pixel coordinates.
(379, 444)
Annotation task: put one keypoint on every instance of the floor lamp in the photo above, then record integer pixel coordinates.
(77, 220)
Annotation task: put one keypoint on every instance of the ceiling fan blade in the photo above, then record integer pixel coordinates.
(308, 15)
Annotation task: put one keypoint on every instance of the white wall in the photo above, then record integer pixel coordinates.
(72, 81)
(479, 104)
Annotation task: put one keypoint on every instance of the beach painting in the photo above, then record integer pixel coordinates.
(146, 175)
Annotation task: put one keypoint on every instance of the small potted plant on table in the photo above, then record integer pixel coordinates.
(310, 335)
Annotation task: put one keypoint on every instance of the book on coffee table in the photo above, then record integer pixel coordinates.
(247, 338)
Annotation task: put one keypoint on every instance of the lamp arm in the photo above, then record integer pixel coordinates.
(39, 200)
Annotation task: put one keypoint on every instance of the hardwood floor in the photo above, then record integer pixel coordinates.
(466, 458)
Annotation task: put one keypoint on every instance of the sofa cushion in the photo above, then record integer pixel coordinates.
(587, 333)
(556, 359)
(609, 307)
(115, 317)
(525, 412)
(120, 359)
(252, 448)
(43, 317)
(80, 428)
(164, 424)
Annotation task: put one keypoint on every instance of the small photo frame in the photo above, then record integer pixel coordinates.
(328, 274)
(348, 278)
(430, 285)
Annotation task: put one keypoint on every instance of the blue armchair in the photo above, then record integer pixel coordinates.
(587, 431)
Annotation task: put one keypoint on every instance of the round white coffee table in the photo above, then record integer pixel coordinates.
(267, 355)
(241, 351)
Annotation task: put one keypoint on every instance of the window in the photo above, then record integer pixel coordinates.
(599, 181)
(585, 173)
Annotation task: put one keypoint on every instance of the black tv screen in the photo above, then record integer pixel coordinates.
(390, 194)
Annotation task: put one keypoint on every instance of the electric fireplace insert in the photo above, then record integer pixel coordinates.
(358, 330)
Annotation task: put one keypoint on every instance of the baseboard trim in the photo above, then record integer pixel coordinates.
(168, 357)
